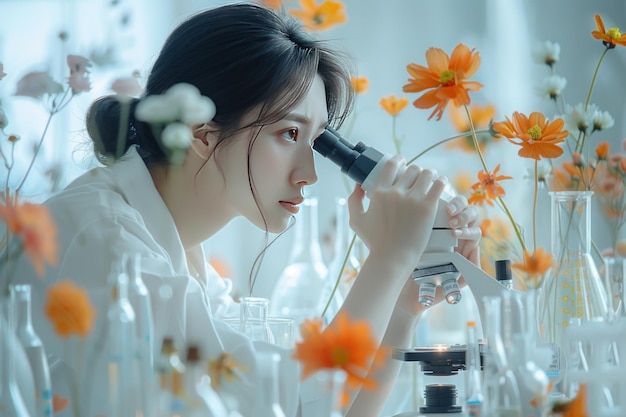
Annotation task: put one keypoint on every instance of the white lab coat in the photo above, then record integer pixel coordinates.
(110, 211)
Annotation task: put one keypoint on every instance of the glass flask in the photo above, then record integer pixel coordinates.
(474, 397)
(253, 319)
(122, 364)
(344, 266)
(614, 270)
(34, 349)
(171, 371)
(200, 399)
(12, 403)
(574, 288)
(269, 405)
(328, 387)
(298, 292)
(501, 389)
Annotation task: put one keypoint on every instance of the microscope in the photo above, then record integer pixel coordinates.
(439, 266)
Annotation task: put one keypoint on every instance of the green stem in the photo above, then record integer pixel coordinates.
(475, 139)
(339, 275)
(32, 161)
(535, 206)
(441, 142)
(593, 82)
(397, 143)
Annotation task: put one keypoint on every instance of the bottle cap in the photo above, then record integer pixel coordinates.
(503, 270)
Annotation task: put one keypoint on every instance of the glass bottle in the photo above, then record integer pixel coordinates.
(343, 267)
(171, 370)
(574, 288)
(501, 389)
(328, 386)
(11, 401)
(253, 319)
(199, 400)
(122, 365)
(298, 291)
(139, 299)
(34, 349)
(268, 395)
(474, 397)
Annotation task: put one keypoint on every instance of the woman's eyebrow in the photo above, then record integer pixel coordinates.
(300, 118)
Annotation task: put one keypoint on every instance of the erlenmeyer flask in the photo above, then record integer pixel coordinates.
(298, 291)
(574, 288)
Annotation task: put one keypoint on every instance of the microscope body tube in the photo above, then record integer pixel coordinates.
(363, 164)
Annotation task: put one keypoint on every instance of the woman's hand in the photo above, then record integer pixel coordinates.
(401, 213)
(463, 220)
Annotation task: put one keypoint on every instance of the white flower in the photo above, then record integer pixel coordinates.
(176, 136)
(577, 118)
(552, 86)
(156, 109)
(181, 102)
(547, 53)
(544, 171)
(602, 120)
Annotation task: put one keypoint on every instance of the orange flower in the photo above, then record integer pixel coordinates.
(535, 266)
(576, 407)
(481, 118)
(489, 183)
(602, 150)
(59, 403)
(478, 197)
(33, 224)
(360, 84)
(445, 78)
(320, 16)
(538, 136)
(393, 105)
(345, 344)
(610, 37)
(69, 309)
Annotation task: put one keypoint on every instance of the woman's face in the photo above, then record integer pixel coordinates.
(281, 163)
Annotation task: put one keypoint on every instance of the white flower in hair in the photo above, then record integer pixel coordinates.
(176, 136)
(181, 103)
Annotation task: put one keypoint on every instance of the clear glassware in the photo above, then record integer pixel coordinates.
(34, 349)
(340, 269)
(171, 371)
(328, 385)
(200, 399)
(253, 319)
(501, 390)
(11, 401)
(122, 364)
(474, 397)
(614, 272)
(298, 290)
(269, 405)
(574, 289)
(139, 299)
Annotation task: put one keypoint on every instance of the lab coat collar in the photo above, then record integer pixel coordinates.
(133, 178)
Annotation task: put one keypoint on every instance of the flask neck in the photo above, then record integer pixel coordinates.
(22, 312)
(571, 223)
(254, 309)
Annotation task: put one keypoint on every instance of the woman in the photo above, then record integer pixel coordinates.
(275, 89)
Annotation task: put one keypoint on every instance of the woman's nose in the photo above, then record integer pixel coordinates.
(304, 172)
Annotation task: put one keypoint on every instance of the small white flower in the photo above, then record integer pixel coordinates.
(181, 102)
(156, 109)
(36, 84)
(544, 170)
(552, 87)
(577, 119)
(602, 120)
(547, 53)
(176, 136)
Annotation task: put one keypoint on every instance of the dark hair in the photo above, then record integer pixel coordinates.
(241, 56)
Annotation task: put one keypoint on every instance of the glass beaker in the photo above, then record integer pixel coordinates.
(253, 319)
(574, 288)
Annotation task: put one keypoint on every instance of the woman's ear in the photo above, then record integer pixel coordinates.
(204, 140)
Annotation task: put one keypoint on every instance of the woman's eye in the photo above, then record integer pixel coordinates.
(290, 135)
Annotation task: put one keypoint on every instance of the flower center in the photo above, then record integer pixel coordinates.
(535, 132)
(446, 77)
(340, 356)
(613, 33)
(318, 19)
